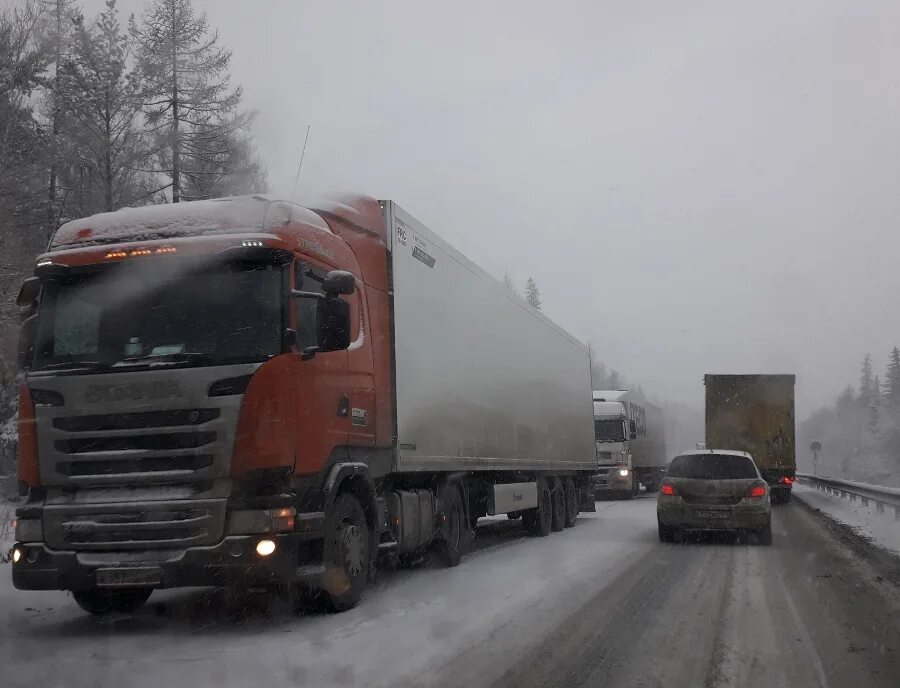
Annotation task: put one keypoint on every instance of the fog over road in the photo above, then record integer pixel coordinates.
(603, 603)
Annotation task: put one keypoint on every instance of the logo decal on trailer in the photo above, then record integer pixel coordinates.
(359, 417)
(420, 255)
(401, 233)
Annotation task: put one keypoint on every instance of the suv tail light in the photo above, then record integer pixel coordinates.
(667, 489)
(786, 480)
(756, 492)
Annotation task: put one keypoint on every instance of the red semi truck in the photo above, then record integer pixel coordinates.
(246, 392)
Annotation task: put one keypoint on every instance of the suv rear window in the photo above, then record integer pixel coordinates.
(712, 467)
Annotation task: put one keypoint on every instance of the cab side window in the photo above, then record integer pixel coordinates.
(307, 278)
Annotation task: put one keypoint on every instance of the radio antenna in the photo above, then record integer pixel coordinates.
(300, 166)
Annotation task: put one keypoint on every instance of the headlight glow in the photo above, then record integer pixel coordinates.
(265, 547)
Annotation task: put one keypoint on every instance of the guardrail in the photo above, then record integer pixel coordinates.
(882, 496)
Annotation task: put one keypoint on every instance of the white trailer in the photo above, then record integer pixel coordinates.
(484, 382)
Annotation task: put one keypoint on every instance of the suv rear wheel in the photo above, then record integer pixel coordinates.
(666, 533)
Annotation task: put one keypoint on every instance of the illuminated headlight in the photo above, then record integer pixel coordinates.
(624, 472)
(262, 521)
(29, 530)
(16, 555)
(265, 547)
(251, 243)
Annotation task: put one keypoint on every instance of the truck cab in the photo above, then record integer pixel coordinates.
(613, 432)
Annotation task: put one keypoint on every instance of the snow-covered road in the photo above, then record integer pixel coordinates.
(603, 603)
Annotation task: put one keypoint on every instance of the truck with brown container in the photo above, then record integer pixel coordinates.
(755, 414)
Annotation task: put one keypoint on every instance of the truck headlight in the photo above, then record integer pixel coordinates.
(624, 472)
(29, 530)
(247, 522)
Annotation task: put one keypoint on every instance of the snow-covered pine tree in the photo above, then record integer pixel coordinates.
(188, 100)
(892, 379)
(532, 294)
(867, 390)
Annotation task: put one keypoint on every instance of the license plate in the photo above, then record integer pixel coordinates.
(117, 578)
(714, 514)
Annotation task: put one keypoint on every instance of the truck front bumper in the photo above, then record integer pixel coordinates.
(611, 480)
(233, 561)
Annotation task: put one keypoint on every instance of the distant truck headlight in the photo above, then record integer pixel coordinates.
(624, 472)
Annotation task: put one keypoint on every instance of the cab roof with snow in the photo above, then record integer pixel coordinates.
(234, 215)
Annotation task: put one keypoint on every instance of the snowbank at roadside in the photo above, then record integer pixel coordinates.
(880, 528)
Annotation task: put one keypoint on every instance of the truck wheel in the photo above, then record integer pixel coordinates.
(558, 502)
(106, 601)
(346, 554)
(451, 547)
(571, 502)
(538, 520)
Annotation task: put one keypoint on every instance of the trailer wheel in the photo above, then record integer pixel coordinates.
(452, 545)
(538, 520)
(106, 601)
(558, 502)
(571, 502)
(346, 554)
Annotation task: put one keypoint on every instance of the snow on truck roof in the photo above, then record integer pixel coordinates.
(235, 214)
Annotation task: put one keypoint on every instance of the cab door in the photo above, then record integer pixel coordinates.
(323, 382)
(362, 372)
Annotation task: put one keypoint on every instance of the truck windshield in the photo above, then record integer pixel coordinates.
(129, 316)
(712, 467)
(609, 430)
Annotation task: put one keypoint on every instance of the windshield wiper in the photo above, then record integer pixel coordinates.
(64, 365)
(173, 358)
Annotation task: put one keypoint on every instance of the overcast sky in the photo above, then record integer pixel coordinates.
(696, 186)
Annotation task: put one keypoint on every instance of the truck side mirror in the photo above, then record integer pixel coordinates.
(632, 429)
(28, 296)
(27, 336)
(333, 324)
(339, 282)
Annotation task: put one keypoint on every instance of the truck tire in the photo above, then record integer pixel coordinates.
(538, 520)
(346, 556)
(107, 601)
(451, 547)
(558, 502)
(571, 501)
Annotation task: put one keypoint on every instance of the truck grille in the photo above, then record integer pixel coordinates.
(135, 421)
(153, 526)
(174, 446)
(127, 466)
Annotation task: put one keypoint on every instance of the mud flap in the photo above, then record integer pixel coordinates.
(586, 499)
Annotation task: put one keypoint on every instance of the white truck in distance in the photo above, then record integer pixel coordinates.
(630, 443)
